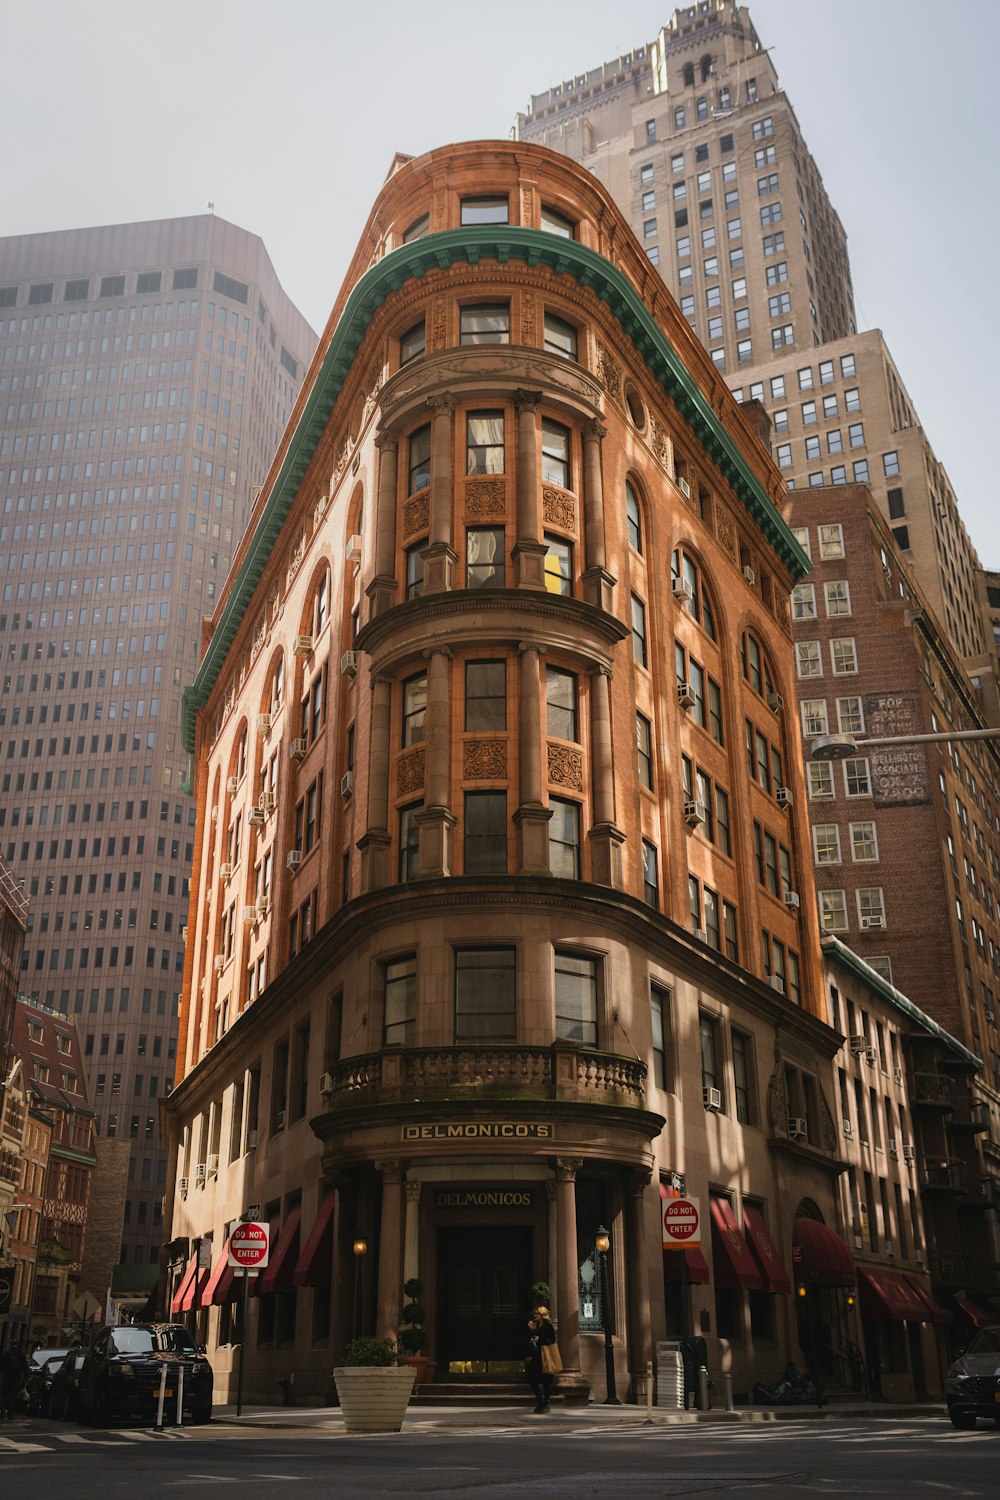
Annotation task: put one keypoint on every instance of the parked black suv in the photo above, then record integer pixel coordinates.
(122, 1372)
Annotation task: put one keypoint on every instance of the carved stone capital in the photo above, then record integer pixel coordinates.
(551, 1189)
(523, 646)
(444, 651)
(567, 1167)
(413, 1191)
(391, 1171)
(386, 439)
(636, 1183)
(600, 670)
(527, 400)
(445, 403)
(594, 431)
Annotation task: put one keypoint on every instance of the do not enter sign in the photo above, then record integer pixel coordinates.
(249, 1245)
(681, 1224)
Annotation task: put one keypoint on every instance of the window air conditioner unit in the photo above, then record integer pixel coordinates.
(226, 871)
(750, 576)
(783, 797)
(353, 550)
(910, 1153)
(266, 802)
(303, 645)
(182, 1186)
(279, 1120)
(220, 962)
(897, 1075)
(858, 1045)
(263, 905)
(293, 858)
(347, 784)
(349, 664)
(776, 983)
(797, 1128)
(694, 813)
(263, 723)
(683, 590)
(918, 1257)
(326, 1084)
(199, 1172)
(848, 1129)
(701, 934)
(255, 817)
(872, 924)
(684, 487)
(248, 914)
(685, 695)
(893, 1152)
(870, 1056)
(298, 749)
(232, 782)
(775, 702)
(213, 1165)
(890, 1247)
(859, 1241)
(712, 1100)
(791, 900)
(251, 1140)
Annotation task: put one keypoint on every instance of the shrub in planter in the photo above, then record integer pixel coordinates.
(541, 1295)
(373, 1385)
(413, 1333)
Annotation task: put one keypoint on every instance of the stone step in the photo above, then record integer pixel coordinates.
(483, 1392)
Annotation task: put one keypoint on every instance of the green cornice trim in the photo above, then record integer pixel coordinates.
(834, 948)
(493, 242)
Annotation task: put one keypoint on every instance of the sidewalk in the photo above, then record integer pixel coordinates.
(456, 1418)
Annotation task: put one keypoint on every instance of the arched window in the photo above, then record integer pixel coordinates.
(695, 598)
(275, 695)
(633, 517)
(756, 668)
(321, 603)
(240, 758)
(706, 68)
(689, 75)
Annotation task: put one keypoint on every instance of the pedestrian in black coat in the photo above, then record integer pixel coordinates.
(13, 1374)
(541, 1333)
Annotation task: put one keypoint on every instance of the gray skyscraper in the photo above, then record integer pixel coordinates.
(146, 374)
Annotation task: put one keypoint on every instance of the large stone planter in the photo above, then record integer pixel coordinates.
(374, 1398)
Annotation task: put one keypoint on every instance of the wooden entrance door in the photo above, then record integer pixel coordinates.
(484, 1277)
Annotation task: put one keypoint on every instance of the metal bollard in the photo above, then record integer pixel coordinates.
(703, 1401)
(180, 1395)
(161, 1396)
(727, 1386)
(649, 1393)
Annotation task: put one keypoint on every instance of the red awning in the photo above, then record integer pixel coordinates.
(820, 1255)
(283, 1257)
(934, 1312)
(980, 1317)
(888, 1294)
(228, 1288)
(764, 1251)
(694, 1263)
(315, 1267)
(274, 1225)
(734, 1265)
(211, 1285)
(152, 1301)
(187, 1293)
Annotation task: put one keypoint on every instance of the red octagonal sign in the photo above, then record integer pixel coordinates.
(681, 1222)
(249, 1245)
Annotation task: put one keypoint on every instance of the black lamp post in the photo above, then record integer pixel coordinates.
(603, 1244)
(360, 1251)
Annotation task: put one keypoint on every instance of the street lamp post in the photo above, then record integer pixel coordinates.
(845, 746)
(603, 1245)
(360, 1251)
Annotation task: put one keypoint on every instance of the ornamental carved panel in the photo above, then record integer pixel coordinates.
(484, 760)
(485, 499)
(565, 767)
(298, 553)
(527, 304)
(439, 323)
(610, 372)
(410, 772)
(558, 509)
(658, 442)
(416, 515)
(725, 530)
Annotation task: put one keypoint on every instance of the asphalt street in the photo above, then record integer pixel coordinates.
(504, 1459)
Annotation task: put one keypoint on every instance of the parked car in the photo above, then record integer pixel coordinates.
(64, 1397)
(41, 1367)
(121, 1374)
(972, 1388)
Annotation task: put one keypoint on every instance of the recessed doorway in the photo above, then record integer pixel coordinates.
(484, 1278)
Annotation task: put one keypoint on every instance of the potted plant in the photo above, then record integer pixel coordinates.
(541, 1294)
(413, 1335)
(373, 1385)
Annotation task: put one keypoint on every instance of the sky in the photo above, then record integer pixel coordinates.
(286, 115)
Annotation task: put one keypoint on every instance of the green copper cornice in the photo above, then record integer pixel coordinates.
(494, 242)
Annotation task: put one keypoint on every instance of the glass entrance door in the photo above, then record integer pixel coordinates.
(484, 1276)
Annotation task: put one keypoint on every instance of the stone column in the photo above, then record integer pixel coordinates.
(605, 839)
(529, 552)
(390, 1280)
(374, 844)
(382, 589)
(411, 1231)
(436, 820)
(532, 817)
(551, 1193)
(639, 1340)
(597, 581)
(569, 1270)
(440, 556)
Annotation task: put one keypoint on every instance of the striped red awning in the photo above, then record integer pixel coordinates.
(211, 1285)
(283, 1256)
(734, 1265)
(188, 1293)
(764, 1250)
